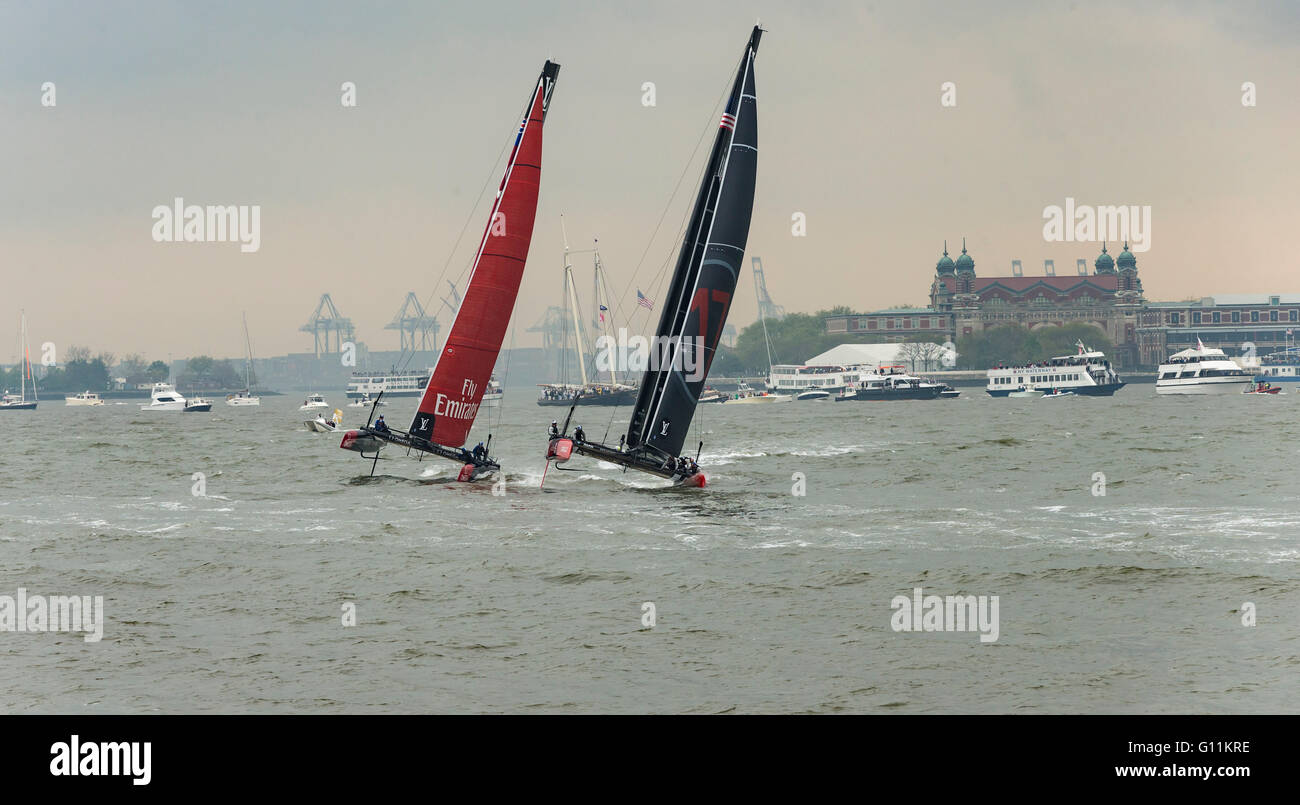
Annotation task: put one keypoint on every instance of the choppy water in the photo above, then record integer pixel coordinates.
(765, 601)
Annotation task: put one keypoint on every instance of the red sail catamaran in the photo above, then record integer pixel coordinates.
(696, 305)
(464, 367)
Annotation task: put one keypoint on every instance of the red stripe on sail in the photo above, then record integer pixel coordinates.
(465, 365)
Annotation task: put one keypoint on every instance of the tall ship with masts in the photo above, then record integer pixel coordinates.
(695, 306)
(604, 390)
(20, 401)
(463, 372)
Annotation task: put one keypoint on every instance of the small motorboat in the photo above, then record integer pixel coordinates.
(196, 405)
(322, 425)
(364, 402)
(712, 395)
(164, 397)
(1264, 388)
(1026, 392)
(1058, 393)
(748, 396)
(313, 400)
(84, 398)
(947, 392)
(813, 394)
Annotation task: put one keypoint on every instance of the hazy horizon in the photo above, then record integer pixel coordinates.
(241, 105)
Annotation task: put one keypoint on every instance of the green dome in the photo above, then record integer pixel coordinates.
(965, 263)
(945, 267)
(1105, 263)
(1126, 259)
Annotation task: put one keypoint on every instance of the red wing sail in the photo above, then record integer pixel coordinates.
(451, 400)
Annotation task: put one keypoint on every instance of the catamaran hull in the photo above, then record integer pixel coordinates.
(562, 448)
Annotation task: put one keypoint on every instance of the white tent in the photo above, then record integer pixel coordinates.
(853, 354)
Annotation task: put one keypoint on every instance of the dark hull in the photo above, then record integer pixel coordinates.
(196, 409)
(619, 398)
(876, 395)
(1086, 391)
(26, 406)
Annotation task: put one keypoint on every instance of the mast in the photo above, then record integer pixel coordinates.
(248, 354)
(463, 370)
(598, 274)
(571, 301)
(704, 281)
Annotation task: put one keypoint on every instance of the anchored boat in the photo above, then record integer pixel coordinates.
(695, 307)
(463, 373)
(20, 402)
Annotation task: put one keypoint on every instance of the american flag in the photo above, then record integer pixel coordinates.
(602, 313)
(644, 301)
(728, 121)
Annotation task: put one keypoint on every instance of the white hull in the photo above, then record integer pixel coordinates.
(491, 400)
(81, 401)
(813, 395)
(244, 402)
(1029, 393)
(1204, 386)
(320, 426)
(760, 398)
(167, 406)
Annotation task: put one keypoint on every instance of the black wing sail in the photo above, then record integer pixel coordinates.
(699, 297)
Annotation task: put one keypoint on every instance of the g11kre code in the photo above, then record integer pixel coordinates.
(1216, 747)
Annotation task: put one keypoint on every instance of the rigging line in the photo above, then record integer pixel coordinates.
(707, 128)
(404, 359)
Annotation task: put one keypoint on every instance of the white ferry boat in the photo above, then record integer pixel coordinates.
(392, 384)
(1087, 372)
(1282, 366)
(792, 379)
(1202, 370)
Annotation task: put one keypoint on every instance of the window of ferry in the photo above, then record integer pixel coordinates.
(1254, 315)
(1196, 317)
(1236, 316)
(1272, 315)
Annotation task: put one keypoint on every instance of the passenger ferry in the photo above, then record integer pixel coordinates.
(367, 385)
(1282, 366)
(1087, 372)
(1202, 370)
(392, 384)
(795, 379)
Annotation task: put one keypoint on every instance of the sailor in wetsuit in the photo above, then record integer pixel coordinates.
(579, 434)
(555, 428)
(480, 451)
(380, 425)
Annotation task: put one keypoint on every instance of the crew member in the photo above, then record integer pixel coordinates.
(381, 425)
(555, 428)
(579, 434)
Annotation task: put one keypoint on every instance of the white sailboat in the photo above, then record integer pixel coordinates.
(19, 402)
(245, 398)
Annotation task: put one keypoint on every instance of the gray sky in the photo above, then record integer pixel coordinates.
(239, 104)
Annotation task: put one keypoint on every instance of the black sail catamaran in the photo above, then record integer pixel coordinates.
(696, 305)
(463, 372)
